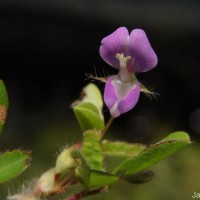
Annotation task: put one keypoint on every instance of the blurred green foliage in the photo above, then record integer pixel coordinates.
(12, 163)
(176, 177)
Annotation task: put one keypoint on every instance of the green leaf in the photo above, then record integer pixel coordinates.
(3, 104)
(141, 177)
(153, 154)
(121, 149)
(92, 150)
(100, 179)
(12, 164)
(88, 116)
(179, 135)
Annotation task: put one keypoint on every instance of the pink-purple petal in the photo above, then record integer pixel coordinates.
(141, 50)
(117, 42)
(130, 100)
(120, 97)
(110, 94)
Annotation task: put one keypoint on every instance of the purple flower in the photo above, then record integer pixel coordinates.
(129, 54)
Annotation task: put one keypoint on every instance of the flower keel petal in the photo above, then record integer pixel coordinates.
(121, 97)
(110, 94)
(130, 100)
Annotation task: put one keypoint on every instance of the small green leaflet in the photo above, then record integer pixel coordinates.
(121, 149)
(153, 154)
(88, 116)
(92, 150)
(12, 164)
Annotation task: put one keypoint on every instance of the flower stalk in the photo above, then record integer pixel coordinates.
(108, 124)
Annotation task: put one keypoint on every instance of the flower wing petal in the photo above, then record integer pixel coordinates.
(110, 94)
(140, 49)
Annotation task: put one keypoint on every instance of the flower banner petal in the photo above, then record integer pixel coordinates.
(140, 49)
(117, 42)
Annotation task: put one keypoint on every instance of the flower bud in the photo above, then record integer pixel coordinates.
(22, 197)
(64, 161)
(46, 181)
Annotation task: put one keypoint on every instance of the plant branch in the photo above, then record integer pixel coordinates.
(85, 193)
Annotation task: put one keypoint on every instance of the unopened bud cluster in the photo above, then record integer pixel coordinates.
(51, 182)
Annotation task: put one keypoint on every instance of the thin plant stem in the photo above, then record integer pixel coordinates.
(85, 194)
(107, 126)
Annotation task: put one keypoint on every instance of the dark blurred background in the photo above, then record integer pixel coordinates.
(47, 47)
